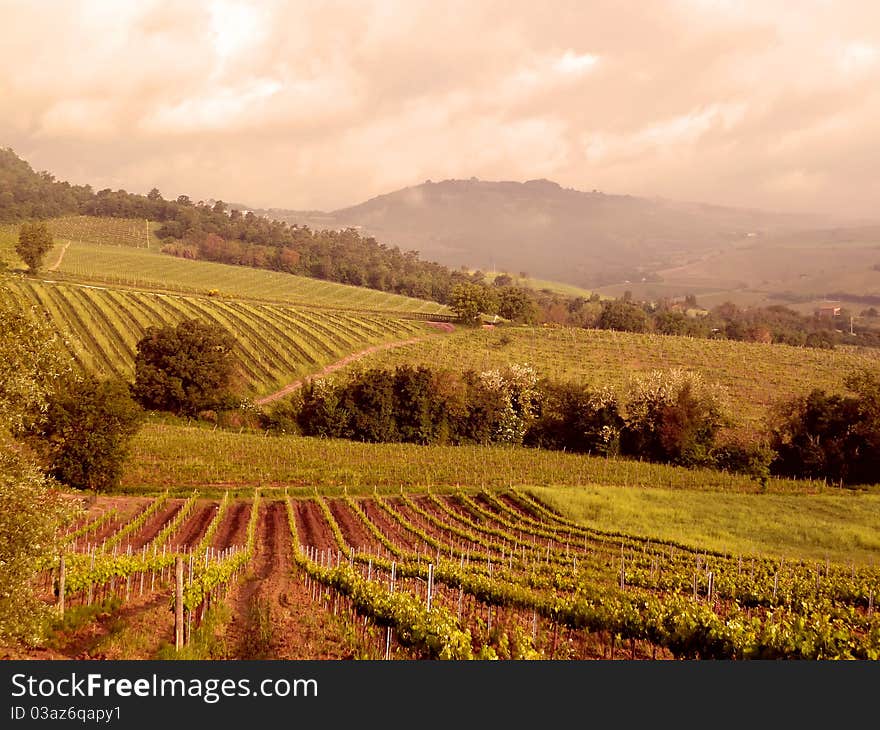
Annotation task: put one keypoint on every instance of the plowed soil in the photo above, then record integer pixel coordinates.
(311, 526)
(233, 529)
(356, 534)
(195, 526)
(273, 616)
(389, 527)
(154, 525)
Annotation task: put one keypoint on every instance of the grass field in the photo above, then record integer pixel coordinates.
(180, 457)
(275, 344)
(841, 527)
(755, 375)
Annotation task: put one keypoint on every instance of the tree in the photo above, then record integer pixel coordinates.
(575, 418)
(517, 305)
(34, 242)
(32, 509)
(186, 369)
(674, 416)
(623, 316)
(86, 432)
(369, 398)
(468, 300)
(413, 404)
(813, 436)
(830, 436)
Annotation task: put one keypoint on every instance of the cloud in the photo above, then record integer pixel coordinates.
(321, 105)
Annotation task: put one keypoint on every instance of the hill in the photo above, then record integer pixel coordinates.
(755, 375)
(550, 232)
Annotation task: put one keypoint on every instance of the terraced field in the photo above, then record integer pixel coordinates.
(461, 576)
(276, 343)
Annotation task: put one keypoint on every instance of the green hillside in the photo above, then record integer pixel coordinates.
(121, 252)
(755, 375)
(276, 343)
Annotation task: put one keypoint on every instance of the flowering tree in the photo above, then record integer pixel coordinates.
(674, 416)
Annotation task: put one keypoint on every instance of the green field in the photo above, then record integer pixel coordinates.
(142, 269)
(761, 271)
(558, 287)
(181, 457)
(125, 252)
(705, 508)
(755, 375)
(838, 526)
(276, 343)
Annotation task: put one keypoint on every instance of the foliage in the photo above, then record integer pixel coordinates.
(185, 369)
(517, 304)
(622, 316)
(576, 418)
(674, 416)
(32, 513)
(86, 431)
(831, 436)
(32, 510)
(34, 242)
(31, 361)
(469, 300)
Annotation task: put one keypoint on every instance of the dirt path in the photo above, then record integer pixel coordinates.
(296, 384)
(54, 267)
(273, 616)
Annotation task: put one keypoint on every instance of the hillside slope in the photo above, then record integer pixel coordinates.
(551, 232)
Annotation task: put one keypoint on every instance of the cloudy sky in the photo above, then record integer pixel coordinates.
(318, 105)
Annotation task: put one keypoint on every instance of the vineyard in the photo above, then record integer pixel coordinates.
(132, 232)
(466, 575)
(126, 252)
(755, 375)
(149, 269)
(276, 343)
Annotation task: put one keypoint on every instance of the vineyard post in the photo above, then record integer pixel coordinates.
(393, 575)
(143, 564)
(430, 584)
(870, 604)
(178, 603)
(91, 568)
(62, 578)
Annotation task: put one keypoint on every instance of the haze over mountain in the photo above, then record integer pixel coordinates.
(551, 232)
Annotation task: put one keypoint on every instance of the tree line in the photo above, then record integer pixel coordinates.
(673, 417)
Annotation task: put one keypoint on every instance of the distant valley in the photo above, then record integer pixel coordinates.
(613, 243)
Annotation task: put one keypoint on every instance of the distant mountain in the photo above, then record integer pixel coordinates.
(550, 232)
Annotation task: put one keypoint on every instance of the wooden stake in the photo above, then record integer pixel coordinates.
(178, 603)
(62, 578)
